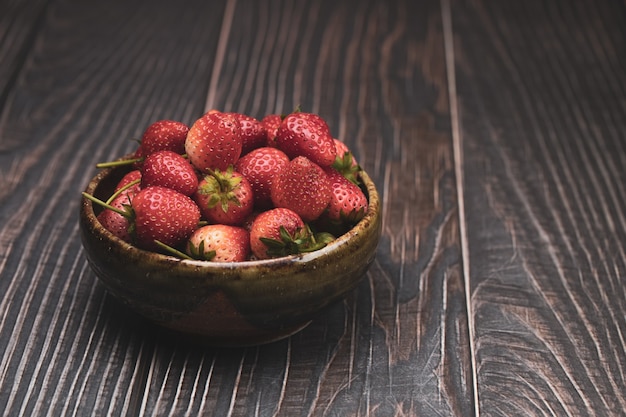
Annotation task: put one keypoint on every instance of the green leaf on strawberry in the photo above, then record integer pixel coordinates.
(300, 241)
(219, 243)
(347, 167)
(219, 187)
(198, 252)
(225, 196)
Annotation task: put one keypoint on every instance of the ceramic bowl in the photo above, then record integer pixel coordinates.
(233, 304)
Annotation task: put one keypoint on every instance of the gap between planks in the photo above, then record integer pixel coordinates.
(457, 145)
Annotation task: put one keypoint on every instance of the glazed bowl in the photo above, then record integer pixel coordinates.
(228, 304)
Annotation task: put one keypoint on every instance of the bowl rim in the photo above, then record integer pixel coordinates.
(369, 220)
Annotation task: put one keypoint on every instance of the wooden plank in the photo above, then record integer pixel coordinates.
(99, 74)
(399, 344)
(541, 89)
(93, 78)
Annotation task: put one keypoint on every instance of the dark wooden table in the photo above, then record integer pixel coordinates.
(496, 134)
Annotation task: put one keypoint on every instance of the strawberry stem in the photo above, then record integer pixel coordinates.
(121, 162)
(105, 205)
(171, 250)
(220, 186)
(122, 189)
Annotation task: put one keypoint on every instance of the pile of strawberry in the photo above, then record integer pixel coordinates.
(232, 188)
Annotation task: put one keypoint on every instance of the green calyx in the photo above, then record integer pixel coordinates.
(198, 252)
(220, 187)
(302, 240)
(343, 164)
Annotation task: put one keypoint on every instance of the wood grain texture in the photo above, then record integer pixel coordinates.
(96, 74)
(93, 78)
(20, 23)
(542, 93)
(399, 344)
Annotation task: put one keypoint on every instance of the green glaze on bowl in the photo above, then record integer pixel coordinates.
(236, 304)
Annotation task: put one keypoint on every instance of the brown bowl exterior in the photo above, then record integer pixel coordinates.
(239, 303)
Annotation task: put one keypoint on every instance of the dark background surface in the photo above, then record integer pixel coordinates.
(494, 132)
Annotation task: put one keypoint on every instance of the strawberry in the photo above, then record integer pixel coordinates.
(161, 135)
(259, 167)
(348, 203)
(345, 162)
(271, 122)
(113, 221)
(341, 148)
(303, 187)
(281, 232)
(225, 197)
(118, 221)
(276, 232)
(253, 134)
(164, 215)
(342, 151)
(306, 134)
(171, 170)
(214, 141)
(219, 243)
(164, 135)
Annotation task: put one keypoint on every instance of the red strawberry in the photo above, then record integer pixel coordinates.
(214, 141)
(271, 123)
(219, 243)
(161, 135)
(164, 135)
(342, 149)
(348, 203)
(116, 223)
(345, 162)
(171, 170)
(303, 187)
(259, 167)
(306, 134)
(276, 233)
(165, 215)
(253, 134)
(225, 197)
